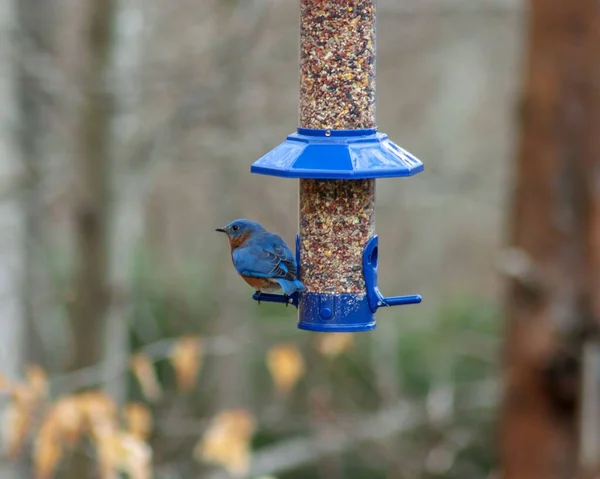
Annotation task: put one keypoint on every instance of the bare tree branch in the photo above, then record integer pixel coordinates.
(94, 375)
(346, 435)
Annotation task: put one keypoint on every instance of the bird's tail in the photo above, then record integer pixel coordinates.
(290, 287)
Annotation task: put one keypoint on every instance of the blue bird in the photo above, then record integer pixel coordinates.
(262, 258)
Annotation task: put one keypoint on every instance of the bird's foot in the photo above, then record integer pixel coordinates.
(287, 300)
(259, 293)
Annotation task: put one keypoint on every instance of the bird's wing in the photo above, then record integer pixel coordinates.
(268, 257)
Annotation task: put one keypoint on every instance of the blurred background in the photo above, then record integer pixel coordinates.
(128, 345)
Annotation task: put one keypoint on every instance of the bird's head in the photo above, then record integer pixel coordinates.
(239, 230)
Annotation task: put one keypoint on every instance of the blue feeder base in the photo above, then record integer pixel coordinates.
(347, 312)
(335, 313)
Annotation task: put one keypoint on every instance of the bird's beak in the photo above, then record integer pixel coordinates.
(221, 230)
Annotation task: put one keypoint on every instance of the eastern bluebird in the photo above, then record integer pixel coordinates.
(261, 258)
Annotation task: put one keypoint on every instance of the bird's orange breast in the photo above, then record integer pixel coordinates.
(236, 242)
(261, 284)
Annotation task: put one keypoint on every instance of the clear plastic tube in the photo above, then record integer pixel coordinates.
(337, 91)
(337, 64)
(337, 218)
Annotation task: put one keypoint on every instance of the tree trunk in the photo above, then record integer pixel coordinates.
(552, 302)
(33, 41)
(129, 190)
(12, 325)
(90, 299)
(91, 295)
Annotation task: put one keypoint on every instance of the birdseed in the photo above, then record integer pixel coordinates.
(337, 64)
(337, 219)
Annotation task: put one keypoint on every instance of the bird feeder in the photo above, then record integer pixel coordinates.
(337, 154)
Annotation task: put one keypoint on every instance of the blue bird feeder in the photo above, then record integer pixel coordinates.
(337, 154)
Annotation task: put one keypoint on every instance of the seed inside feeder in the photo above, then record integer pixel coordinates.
(337, 64)
(337, 91)
(337, 218)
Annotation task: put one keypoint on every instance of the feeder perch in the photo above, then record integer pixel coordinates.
(337, 154)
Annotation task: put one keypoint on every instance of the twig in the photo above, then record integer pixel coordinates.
(93, 375)
(334, 439)
(454, 7)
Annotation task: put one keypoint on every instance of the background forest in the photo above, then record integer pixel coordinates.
(127, 342)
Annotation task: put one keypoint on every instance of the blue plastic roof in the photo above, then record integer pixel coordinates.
(337, 154)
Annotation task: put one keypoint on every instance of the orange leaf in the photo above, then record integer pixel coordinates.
(120, 451)
(186, 358)
(332, 345)
(99, 412)
(226, 442)
(107, 455)
(139, 420)
(15, 425)
(47, 450)
(143, 369)
(17, 418)
(67, 415)
(23, 395)
(37, 381)
(286, 366)
(4, 384)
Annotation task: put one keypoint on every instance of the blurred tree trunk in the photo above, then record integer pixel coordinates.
(589, 176)
(24, 39)
(90, 290)
(34, 28)
(553, 302)
(128, 191)
(92, 164)
(11, 217)
(11, 252)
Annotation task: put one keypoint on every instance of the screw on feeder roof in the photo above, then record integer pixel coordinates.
(337, 153)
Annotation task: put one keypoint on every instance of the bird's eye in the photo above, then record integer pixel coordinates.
(235, 227)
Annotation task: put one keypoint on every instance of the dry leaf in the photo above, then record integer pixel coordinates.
(227, 441)
(136, 459)
(37, 380)
(143, 369)
(17, 419)
(122, 452)
(67, 415)
(107, 454)
(332, 345)
(23, 395)
(286, 366)
(15, 425)
(139, 420)
(4, 384)
(47, 449)
(98, 412)
(186, 358)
